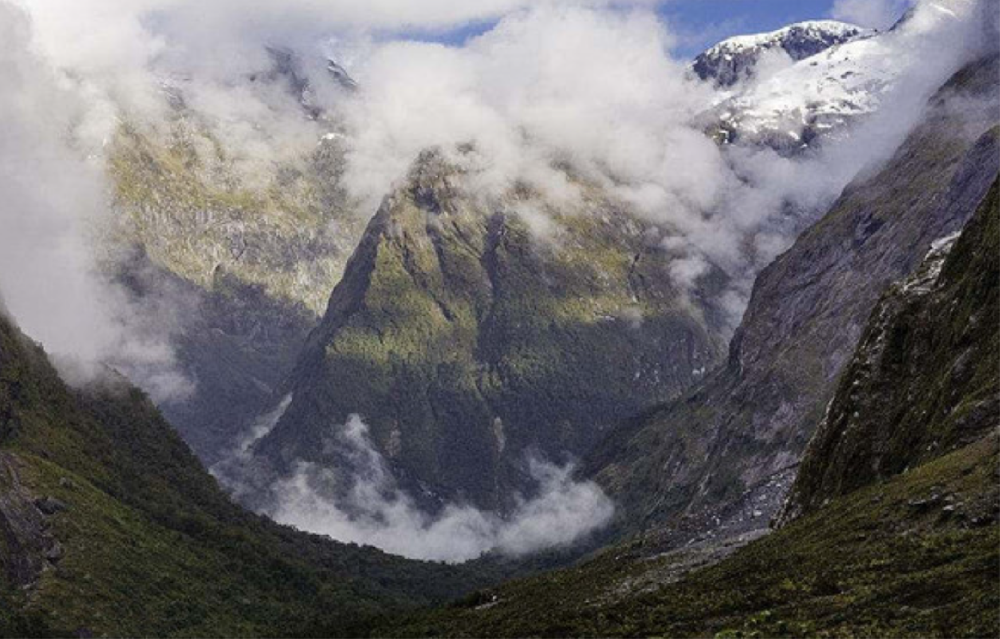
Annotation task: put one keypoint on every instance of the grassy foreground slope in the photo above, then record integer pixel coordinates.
(875, 563)
(109, 526)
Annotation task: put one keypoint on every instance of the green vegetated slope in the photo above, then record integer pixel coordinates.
(109, 526)
(874, 563)
(196, 205)
(723, 456)
(463, 338)
(907, 548)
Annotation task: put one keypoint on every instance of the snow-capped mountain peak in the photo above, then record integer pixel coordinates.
(736, 59)
(818, 95)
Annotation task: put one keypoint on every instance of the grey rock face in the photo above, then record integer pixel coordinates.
(923, 381)
(26, 544)
(751, 420)
(50, 505)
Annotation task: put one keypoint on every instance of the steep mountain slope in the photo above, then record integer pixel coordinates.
(108, 525)
(464, 340)
(735, 60)
(722, 456)
(915, 554)
(241, 251)
(233, 341)
(924, 380)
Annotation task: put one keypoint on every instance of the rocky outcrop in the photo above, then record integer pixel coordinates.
(27, 546)
(721, 456)
(923, 381)
(465, 340)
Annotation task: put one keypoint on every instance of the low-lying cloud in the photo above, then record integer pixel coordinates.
(52, 206)
(599, 92)
(366, 507)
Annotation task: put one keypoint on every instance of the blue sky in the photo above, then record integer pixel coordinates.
(698, 24)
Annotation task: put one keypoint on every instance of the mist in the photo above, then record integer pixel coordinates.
(54, 206)
(598, 90)
(367, 507)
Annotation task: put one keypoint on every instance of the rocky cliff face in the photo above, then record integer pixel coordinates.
(723, 456)
(287, 227)
(464, 340)
(923, 381)
(735, 60)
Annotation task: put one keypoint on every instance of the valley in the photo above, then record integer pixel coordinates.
(398, 337)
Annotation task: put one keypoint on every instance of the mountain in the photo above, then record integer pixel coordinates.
(340, 74)
(799, 105)
(721, 459)
(834, 475)
(896, 526)
(465, 340)
(734, 60)
(110, 526)
(288, 67)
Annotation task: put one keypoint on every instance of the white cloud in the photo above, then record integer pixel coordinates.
(584, 82)
(53, 204)
(368, 508)
(876, 14)
(599, 90)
